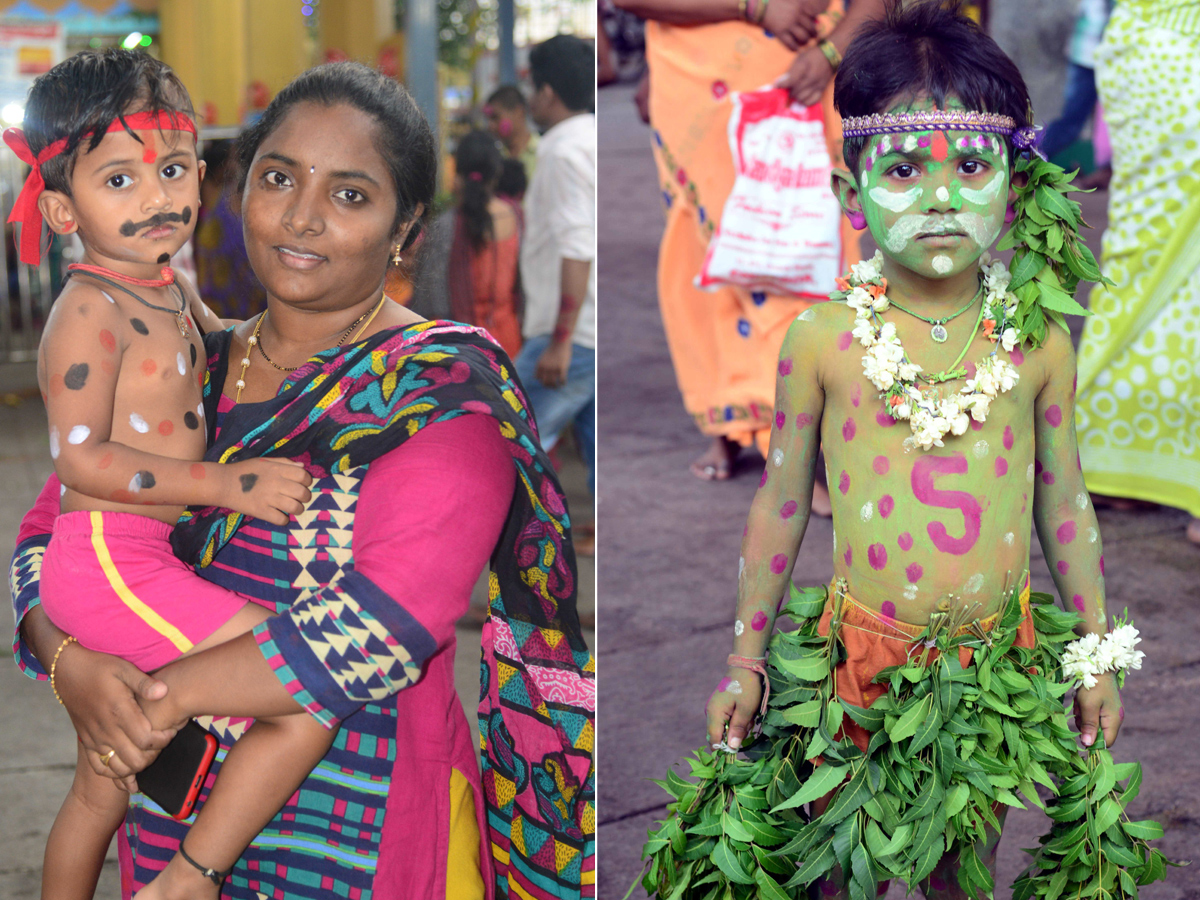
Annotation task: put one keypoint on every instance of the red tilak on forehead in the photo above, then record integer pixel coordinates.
(939, 147)
(26, 211)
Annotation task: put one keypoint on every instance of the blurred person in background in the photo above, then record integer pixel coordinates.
(724, 343)
(1079, 95)
(1138, 408)
(557, 364)
(507, 113)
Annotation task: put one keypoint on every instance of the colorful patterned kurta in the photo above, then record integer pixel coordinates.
(363, 640)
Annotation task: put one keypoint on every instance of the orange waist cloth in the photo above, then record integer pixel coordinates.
(873, 643)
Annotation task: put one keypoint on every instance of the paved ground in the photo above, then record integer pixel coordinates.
(669, 546)
(37, 753)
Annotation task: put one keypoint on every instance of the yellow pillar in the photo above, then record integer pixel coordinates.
(278, 45)
(356, 27)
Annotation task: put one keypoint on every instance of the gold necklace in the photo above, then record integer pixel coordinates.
(254, 341)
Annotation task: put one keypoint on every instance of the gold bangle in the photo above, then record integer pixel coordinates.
(831, 53)
(54, 665)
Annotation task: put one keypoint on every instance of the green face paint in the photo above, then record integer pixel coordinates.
(934, 200)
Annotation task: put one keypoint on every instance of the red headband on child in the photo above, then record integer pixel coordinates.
(25, 210)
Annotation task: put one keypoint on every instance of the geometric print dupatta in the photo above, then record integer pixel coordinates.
(349, 405)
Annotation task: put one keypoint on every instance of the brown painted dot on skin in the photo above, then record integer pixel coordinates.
(166, 427)
(886, 505)
(149, 367)
(105, 461)
(56, 385)
(84, 309)
(856, 394)
(108, 341)
(845, 339)
(121, 496)
(848, 430)
(139, 326)
(76, 377)
(905, 542)
(198, 471)
(803, 420)
(1001, 466)
(844, 483)
(881, 465)
(883, 420)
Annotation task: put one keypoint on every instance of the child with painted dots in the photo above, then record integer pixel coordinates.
(934, 487)
(111, 140)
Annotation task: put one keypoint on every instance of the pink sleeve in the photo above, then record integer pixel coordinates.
(428, 516)
(40, 519)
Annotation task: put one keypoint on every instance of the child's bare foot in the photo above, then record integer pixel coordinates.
(1193, 531)
(179, 881)
(821, 504)
(717, 462)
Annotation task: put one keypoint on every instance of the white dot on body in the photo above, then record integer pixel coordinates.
(777, 458)
(55, 449)
(942, 194)
(1029, 474)
(738, 628)
(138, 423)
(867, 511)
(942, 264)
(78, 434)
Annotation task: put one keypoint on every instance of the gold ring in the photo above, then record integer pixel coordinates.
(107, 757)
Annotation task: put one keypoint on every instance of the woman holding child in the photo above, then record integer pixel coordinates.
(425, 466)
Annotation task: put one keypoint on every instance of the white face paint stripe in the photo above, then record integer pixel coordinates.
(985, 194)
(894, 202)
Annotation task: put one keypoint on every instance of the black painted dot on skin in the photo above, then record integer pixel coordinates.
(192, 347)
(248, 482)
(166, 257)
(190, 420)
(139, 326)
(76, 376)
(146, 479)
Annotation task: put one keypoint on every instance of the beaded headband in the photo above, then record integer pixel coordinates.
(939, 120)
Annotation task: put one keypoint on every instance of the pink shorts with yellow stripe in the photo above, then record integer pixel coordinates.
(111, 580)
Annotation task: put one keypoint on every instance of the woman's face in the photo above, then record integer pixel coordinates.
(318, 208)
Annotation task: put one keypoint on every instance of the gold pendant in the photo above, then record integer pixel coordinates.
(182, 321)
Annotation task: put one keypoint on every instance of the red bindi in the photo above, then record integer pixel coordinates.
(939, 148)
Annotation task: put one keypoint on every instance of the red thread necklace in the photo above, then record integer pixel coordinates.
(168, 275)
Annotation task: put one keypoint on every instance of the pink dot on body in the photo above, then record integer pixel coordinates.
(1001, 466)
(845, 339)
(1054, 416)
(880, 465)
(1008, 437)
(883, 420)
(785, 366)
(848, 556)
(905, 541)
(803, 419)
(972, 369)
(856, 394)
(762, 481)
(780, 420)
(1047, 478)
(877, 556)
(886, 505)
(1078, 601)
(1101, 563)
(1063, 567)
(1016, 356)
(759, 622)
(888, 609)
(778, 563)
(844, 483)
(976, 426)
(789, 509)
(848, 429)
(914, 572)
(723, 684)
(1066, 532)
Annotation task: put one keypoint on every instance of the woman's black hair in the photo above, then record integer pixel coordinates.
(478, 163)
(928, 49)
(568, 65)
(85, 93)
(403, 137)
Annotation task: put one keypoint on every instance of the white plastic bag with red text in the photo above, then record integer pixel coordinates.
(779, 230)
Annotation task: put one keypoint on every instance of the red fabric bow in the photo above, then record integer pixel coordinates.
(25, 210)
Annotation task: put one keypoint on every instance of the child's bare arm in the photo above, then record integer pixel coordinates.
(776, 524)
(1066, 525)
(79, 365)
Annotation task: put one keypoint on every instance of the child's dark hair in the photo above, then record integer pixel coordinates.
(477, 162)
(568, 65)
(927, 49)
(85, 93)
(507, 96)
(403, 137)
(513, 181)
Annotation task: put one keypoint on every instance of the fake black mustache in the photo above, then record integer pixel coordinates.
(129, 229)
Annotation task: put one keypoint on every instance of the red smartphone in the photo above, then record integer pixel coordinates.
(174, 779)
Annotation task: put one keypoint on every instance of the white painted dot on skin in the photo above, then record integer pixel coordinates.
(735, 687)
(942, 194)
(1082, 500)
(867, 511)
(777, 458)
(55, 449)
(835, 542)
(109, 298)
(738, 628)
(1092, 535)
(1009, 538)
(942, 264)
(974, 583)
(980, 449)
(135, 483)
(138, 423)
(910, 143)
(741, 566)
(910, 592)
(78, 434)
(180, 364)
(62, 490)
(807, 316)
(200, 410)
(1029, 474)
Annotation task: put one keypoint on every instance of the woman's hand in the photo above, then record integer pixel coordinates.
(793, 22)
(807, 76)
(734, 703)
(1099, 708)
(100, 693)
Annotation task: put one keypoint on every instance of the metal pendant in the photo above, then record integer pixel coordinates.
(185, 330)
(939, 333)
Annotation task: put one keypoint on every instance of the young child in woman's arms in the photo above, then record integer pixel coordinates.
(945, 414)
(122, 367)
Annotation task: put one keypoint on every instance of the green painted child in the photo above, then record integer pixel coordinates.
(945, 430)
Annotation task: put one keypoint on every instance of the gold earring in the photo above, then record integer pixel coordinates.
(396, 256)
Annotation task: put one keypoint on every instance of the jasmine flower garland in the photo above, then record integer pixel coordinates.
(1084, 659)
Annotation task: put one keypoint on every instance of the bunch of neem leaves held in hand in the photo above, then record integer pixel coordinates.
(947, 743)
